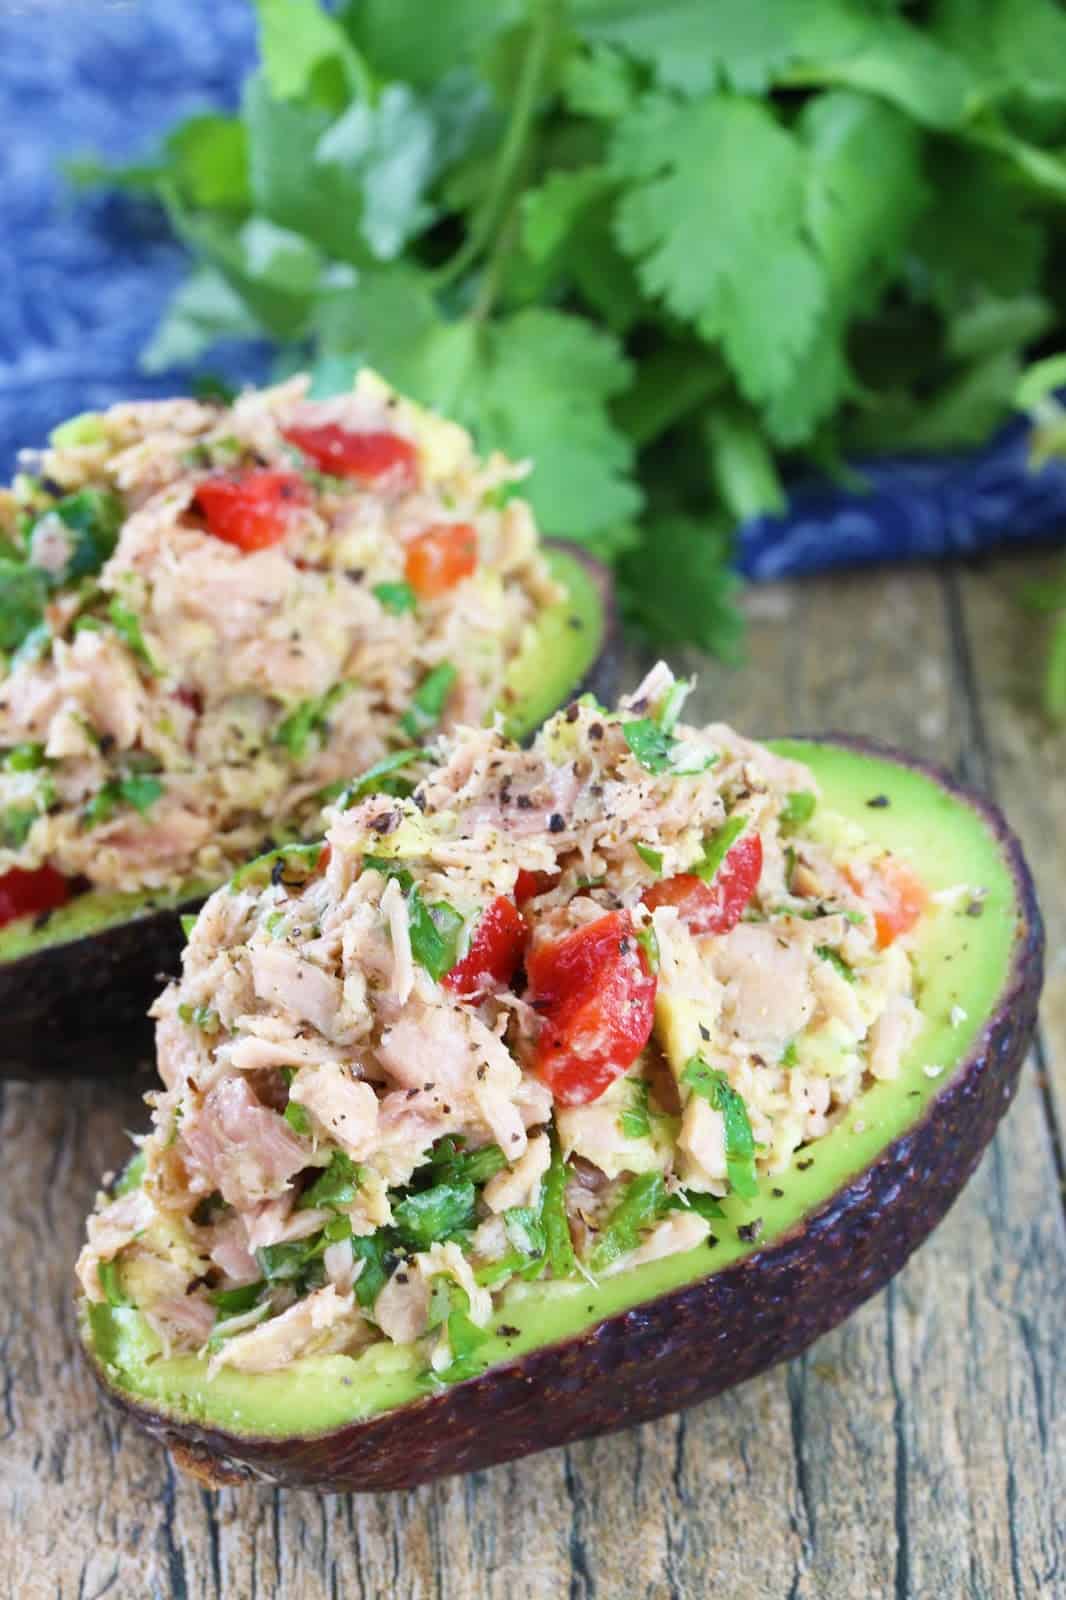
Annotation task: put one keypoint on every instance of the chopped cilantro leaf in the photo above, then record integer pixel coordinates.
(713, 1086)
(451, 1164)
(139, 791)
(836, 960)
(651, 858)
(296, 1116)
(435, 931)
(374, 780)
(635, 1122)
(127, 623)
(395, 597)
(131, 1175)
(309, 718)
(798, 808)
(337, 1186)
(373, 1251)
(428, 702)
(201, 1017)
(525, 1234)
(24, 758)
(450, 1303)
(15, 825)
(651, 746)
(649, 943)
(434, 1214)
(642, 1204)
(708, 1206)
(790, 1055)
(23, 594)
(556, 1224)
(92, 519)
(718, 847)
(231, 1302)
(188, 922)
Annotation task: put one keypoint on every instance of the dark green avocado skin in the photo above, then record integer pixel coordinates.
(694, 1343)
(80, 1008)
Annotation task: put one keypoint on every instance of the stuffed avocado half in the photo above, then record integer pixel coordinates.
(590, 1081)
(215, 616)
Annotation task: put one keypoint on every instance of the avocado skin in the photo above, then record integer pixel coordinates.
(79, 1009)
(694, 1343)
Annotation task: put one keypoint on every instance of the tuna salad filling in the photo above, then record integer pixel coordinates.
(212, 615)
(534, 1021)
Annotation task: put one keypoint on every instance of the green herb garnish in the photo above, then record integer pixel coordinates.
(635, 1122)
(24, 758)
(449, 1163)
(395, 597)
(718, 847)
(375, 780)
(642, 1204)
(438, 1213)
(649, 943)
(428, 702)
(202, 1017)
(560, 1247)
(232, 1302)
(835, 960)
(798, 808)
(127, 623)
(336, 1186)
(651, 858)
(309, 718)
(436, 933)
(713, 1086)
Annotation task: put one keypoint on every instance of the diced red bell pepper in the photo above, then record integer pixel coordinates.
(717, 906)
(496, 949)
(250, 509)
(440, 558)
(368, 457)
(595, 994)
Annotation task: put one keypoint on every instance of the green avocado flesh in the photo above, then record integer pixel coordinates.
(963, 961)
(560, 650)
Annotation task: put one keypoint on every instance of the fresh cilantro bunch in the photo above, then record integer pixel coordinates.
(667, 249)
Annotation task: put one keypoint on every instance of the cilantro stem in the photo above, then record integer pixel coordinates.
(496, 204)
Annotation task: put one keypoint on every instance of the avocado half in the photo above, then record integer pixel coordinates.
(76, 984)
(572, 1359)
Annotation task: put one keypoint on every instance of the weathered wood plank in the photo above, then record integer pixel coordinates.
(918, 1451)
(1029, 760)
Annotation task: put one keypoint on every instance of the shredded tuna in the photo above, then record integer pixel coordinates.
(380, 1150)
(242, 681)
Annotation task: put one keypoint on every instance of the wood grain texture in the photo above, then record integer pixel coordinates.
(918, 1453)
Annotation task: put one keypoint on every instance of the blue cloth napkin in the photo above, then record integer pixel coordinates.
(82, 283)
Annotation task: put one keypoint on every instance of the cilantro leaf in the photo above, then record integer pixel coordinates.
(743, 272)
(336, 1186)
(23, 595)
(428, 701)
(560, 1247)
(679, 585)
(309, 718)
(712, 1085)
(642, 1204)
(434, 1214)
(395, 597)
(634, 1121)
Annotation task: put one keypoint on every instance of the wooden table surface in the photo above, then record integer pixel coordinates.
(919, 1451)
